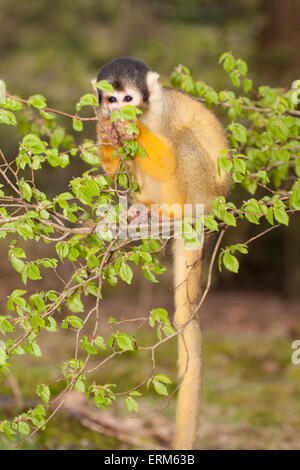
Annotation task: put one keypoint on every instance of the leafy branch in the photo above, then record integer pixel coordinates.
(83, 252)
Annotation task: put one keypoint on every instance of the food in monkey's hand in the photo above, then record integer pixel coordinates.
(115, 132)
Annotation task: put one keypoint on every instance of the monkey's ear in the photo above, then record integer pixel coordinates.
(153, 84)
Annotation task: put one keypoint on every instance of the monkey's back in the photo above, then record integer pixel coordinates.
(197, 138)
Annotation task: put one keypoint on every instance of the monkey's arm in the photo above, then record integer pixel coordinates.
(109, 164)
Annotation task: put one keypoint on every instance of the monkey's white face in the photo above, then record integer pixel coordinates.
(118, 99)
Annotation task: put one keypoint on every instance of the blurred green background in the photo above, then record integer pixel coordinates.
(56, 48)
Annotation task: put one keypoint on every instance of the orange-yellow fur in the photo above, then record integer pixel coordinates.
(183, 141)
(159, 166)
(161, 163)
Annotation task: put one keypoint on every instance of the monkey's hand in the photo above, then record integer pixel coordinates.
(115, 132)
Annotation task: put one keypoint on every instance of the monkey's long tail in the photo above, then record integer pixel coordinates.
(187, 276)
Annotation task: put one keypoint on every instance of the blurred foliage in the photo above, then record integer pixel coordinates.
(57, 48)
(250, 393)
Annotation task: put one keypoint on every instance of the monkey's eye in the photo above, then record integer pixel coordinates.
(127, 98)
(112, 99)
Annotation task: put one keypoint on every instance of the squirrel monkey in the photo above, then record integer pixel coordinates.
(183, 140)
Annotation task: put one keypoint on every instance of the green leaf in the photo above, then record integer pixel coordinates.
(211, 97)
(234, 77)
(281, 216)
(135, 393)
(125, 273)
(125, 342)
(51, 324)
(132, 129)
(225, 164)
(239, 165)
(53, 157)
(3, 357)
(77, 125)
(90, 158)
(5, 427)
(38, 101)
(88, 100)
(57, 137)
(74, 321)
(5, 326)
(99, 341)
(131, 405)
(35, 349)
(168, 330)
(74, 303)
(79, 385)
(294, 202)
(297, 168)
(249, 185)
(239, 132)
(252, 206)
(33, 272)
(123, 180)
(210, 222)
(228, 62)
(223, 56)
(23, 428)
(17, 263)
(104, 85)
(269, 215)
(8, 118)
(26, 191)
(64, 160)
(141, 151)
(86, 344)
(160, 314)
(62, 249)
(242, 66)
(2, 92)
(229, 218)
(49, 262)
(48, 116)
(149, 275)
(115, 115)
(160, 388)
(129, 112)
(163, 378)
(231, 262)
(34, 144)
(43, 391)
(242, 248)
(247, 85)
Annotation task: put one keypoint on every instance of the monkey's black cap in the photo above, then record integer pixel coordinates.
(123, 72)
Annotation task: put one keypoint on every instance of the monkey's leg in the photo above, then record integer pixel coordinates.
(187, 275)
